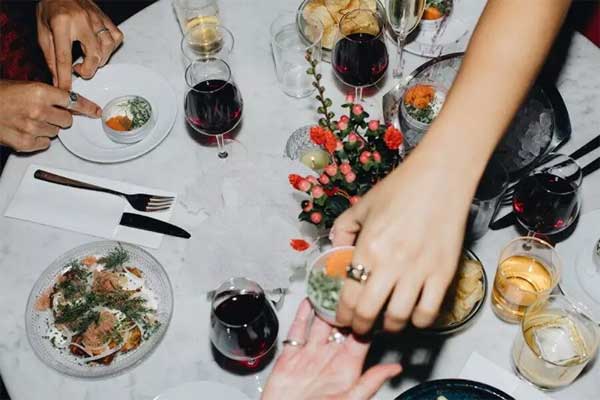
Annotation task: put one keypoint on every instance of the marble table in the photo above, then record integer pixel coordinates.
(152, 39)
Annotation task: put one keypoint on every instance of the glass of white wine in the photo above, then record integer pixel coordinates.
(194, 12)
(403, 16)
(558, 339)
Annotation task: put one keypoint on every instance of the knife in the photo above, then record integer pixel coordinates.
(138, 221)
(509, 218)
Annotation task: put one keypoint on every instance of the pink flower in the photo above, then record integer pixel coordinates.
(344, 118)
(376, 156)
(339, 146)
(304, 185)
(353, 137)
(350, 177)
(365, 157)
(357, 109)
(307, 205)
(349, 98)
(345, 168)
(312, 180)
(316, 217)
(373, 125)
(317, 192)
(331, 169)
(354, 200)
(324, 179)
(342, 125)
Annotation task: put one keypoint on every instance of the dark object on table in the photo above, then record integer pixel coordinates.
(454, 389)
(3, 394)
(138, 221)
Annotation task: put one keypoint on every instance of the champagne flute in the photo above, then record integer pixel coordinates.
(403, 17)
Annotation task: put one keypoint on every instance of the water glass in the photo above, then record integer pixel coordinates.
(290, 48)
(557, 340)
(528, 269)
(194, 12)
(490, 191)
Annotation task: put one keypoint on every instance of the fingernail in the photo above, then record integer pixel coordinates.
(98, 112)
(331, 235)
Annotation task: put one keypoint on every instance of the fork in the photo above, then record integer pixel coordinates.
(140, 201)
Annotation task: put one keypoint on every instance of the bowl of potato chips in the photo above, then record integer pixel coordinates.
(329, 13)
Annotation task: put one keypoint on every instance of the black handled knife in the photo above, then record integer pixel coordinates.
(138, 221)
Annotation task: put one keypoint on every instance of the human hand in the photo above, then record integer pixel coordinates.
(408, 230)
(32, 113)
(62, 22)
(323, 369)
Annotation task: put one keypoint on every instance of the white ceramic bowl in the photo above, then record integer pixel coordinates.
(116, 107)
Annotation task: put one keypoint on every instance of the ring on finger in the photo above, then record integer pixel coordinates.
(358, 273)
(336, 337)
(101, 30)
(73, 98)
(294, 343)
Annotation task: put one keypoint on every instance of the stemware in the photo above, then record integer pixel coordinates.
(194, 12)
(243, 322)
(403, 16)
(206, 40)
(360, 57)
(547, 200)
(213, 103)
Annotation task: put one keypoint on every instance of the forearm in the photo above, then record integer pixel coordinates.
(506, 52)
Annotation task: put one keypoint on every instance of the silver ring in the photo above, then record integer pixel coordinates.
(358, 273)
(73, 97)
(104, 29)
(294, 343)
(336, 337)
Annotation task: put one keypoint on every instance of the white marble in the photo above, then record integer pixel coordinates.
(152, 39)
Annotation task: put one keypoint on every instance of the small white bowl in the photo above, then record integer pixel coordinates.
(117, 107)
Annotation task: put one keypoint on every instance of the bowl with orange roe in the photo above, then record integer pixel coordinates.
(420, 105)
(434, 13)
(128, 119)
(325, 279)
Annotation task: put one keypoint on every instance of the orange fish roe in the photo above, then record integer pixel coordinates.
(431, 13)
(419, 96)
(337, 262)
(119, 123)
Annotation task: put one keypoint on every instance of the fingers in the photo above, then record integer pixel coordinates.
(401, 304)
(92, 55)
(62, 50)
(23, 142)
(38, 128)
(351, 292)
(47, 45)
(59, 117)
(372, 380)
(345, 229)
(299, 326)
(431, 299)
(319, 332)
(86, 107)
(372, 299)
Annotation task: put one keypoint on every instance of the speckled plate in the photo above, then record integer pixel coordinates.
(454, 389)
(36, 322)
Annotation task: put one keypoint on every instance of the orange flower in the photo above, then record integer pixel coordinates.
(299, 244)
(393, 138)
(294, 180)
(323, 137)
(419, 96)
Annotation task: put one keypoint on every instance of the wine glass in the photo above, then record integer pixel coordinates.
(547, 201)
(243, 323)
(359, 56)
(403, 16)
(213, 103)
(206, 40)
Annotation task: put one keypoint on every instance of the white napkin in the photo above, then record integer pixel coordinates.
(479, 368)
(83, 211)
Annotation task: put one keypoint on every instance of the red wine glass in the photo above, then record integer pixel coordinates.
(243, 323)
(547, 200)
(360, 58)
(213, 102)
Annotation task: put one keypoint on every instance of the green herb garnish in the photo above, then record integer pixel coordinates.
(324, 290)
(115, 258)
(444, 6)
(425, 115)
(140, 110)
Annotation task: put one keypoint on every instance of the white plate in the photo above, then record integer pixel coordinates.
(202, 390)
(454, 38)
(86, 138)
(580, 280)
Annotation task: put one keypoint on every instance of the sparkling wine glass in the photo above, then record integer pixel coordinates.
(360, 57)
(213, 103)
(547, 200)
(403, 16)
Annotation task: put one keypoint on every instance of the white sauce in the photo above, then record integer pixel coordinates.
(58, 338)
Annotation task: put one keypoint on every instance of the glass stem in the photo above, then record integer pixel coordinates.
(358, 95)
(221, 145)
(400, 41)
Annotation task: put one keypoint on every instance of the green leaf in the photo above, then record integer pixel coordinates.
(323, 122)
(328, 102)
(321, 110)
(315, 85)
(330, 114)
(319, 76)
(310, 71)
(336, 205)
(347, 105)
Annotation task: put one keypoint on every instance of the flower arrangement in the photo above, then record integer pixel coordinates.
(362, 152)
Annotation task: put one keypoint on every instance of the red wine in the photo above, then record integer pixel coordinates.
(360, 59)
(244, 327)
(214, 107)
(545, 203)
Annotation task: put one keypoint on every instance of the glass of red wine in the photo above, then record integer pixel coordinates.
(547, 201)
(213, 103)
(360, 58)
(243, 323)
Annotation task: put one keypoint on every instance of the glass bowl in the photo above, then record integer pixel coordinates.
(413, 129)
(117, 107)
(37, 322)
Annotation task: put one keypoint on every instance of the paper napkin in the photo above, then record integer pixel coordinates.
(84, 211)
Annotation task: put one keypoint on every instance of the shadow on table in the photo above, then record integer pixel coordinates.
(416, 352)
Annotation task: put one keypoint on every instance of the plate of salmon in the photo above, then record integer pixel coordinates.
(99, 309)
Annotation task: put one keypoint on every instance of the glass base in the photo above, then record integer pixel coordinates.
(229, 149)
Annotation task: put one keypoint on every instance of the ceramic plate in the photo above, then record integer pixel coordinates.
(202, 390)
(580, 278)
(86, 138)
(37, 322)
(454, 389)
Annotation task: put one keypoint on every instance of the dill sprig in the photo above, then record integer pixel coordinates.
(115, 258)
(140, 110)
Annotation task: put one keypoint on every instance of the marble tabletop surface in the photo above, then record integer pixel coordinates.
(152, 39)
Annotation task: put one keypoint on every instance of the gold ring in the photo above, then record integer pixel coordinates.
(358, 273)
(294, 343)
(104, 29)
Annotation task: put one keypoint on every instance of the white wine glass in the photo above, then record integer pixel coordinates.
(403, 16)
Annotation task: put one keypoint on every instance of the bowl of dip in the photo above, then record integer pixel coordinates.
(128, 119)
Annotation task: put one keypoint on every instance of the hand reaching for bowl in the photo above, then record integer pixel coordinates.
(32, 113)
(61, 23)
(323, 369)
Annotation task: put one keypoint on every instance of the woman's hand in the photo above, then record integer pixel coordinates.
(32, 113)
(323, 369)
(62, 22)
(408, 232)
